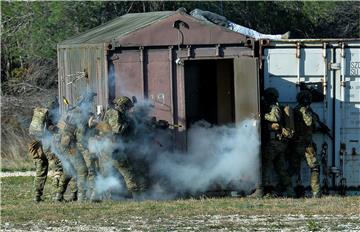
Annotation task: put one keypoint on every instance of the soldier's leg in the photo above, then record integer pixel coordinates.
(292, 158)
(266, 160)
(297, 156)
(313, 163)
(141, 170)
(79, 165)
(90, 160)
(129, 179)
(280, 168)
(108, 169)
(73, 189)
(41, 167)
(55, 166)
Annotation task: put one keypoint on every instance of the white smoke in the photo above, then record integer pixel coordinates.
(105, 184)
(217, 156)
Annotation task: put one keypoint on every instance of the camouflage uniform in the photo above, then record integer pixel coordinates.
(73, 129)
(303, 144)
(42, 156)
(275, 146)
(92, 159)
(123, 128)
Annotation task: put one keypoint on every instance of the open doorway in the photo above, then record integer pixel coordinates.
(209, 91)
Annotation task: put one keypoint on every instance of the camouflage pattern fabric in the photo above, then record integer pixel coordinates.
(92, 163)
(134, 172)
(274, 155)
(117, 121)
(42, 161)
(41, 168)
(123, 128)
(71, 146)
(109, 167)
(304, 146)
(274, 148)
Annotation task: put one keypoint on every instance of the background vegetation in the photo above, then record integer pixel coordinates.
(31, 30)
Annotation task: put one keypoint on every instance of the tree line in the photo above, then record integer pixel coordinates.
(31, 30)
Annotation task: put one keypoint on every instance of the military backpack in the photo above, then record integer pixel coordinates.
(38, 122)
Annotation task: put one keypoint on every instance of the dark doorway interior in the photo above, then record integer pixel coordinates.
(209, 91)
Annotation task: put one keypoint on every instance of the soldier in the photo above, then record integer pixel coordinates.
(73, 140)
(122, 128)
(40, 149)
(303, 144)
(275, 145)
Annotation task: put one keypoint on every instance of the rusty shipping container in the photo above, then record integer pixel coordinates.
(169, 58)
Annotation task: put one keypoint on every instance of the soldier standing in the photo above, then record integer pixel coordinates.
(122, 128)
(275, 145)
(40, 149)
(73, 129)
(303, 144)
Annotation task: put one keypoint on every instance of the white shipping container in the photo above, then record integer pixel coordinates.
(333, 68)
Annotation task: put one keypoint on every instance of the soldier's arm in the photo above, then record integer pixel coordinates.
(123, 126)
(307, 116)
(274, 115)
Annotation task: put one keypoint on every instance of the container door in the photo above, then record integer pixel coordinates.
(246, 88)
(348, 116)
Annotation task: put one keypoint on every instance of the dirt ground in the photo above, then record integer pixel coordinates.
(20, 213)
(234, 222)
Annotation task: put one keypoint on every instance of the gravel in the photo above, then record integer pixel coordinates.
(10, 174)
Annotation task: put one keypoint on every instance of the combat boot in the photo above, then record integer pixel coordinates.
(37, 199)
(259, 192)
(59, 197)
(73, 196)
(316, 194)
(94, 197)
(81, 197)
(289, 192)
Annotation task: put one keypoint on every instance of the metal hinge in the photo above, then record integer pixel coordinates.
(335, 66)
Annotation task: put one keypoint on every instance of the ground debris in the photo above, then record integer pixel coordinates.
(234, 222)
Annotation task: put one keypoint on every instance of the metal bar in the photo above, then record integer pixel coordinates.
(298, 56)
(105, 81)
(171, 78)
(143, 76)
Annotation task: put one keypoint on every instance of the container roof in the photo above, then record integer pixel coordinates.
(118, 27)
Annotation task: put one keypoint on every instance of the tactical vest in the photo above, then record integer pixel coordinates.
(288, 123)
(303, 131)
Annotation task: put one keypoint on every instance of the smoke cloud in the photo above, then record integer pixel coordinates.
(217, 157)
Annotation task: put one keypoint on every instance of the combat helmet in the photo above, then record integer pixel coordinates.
(271, 95)
(52, 103)
(304, 97)
(123, 103)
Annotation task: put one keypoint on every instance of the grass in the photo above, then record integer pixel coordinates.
(18, 211)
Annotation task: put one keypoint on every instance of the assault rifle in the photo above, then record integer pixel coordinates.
(163, 124)
(323, 127)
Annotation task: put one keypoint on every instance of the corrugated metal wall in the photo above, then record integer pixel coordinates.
(80, 69)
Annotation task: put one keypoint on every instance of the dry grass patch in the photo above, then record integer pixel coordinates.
(330, 213)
